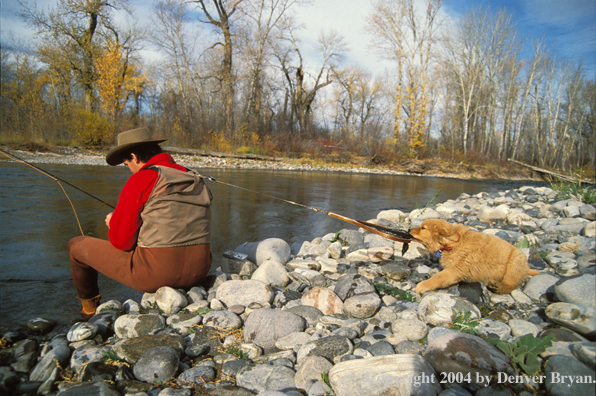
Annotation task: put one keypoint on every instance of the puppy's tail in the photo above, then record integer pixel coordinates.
(533, 273)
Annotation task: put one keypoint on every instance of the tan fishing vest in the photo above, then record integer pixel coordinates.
(177, 212)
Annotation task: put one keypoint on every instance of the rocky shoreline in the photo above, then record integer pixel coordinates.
(340, 317)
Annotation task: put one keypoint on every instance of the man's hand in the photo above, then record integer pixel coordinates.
(108, 218)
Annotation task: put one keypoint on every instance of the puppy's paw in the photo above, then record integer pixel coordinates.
(492, 287)
(422, 287)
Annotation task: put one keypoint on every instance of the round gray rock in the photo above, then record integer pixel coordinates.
(560, 366)
(311, 369)
(222, 320)
(331, 348)
(264, 377)
(157, 364)
(576, 317)
(265, 326)
(541, 287)
(353, 285)
(198, 375)
(362, 306)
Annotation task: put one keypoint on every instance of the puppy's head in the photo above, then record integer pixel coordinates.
(435, 234)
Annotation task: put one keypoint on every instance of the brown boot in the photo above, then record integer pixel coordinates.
(89, 307)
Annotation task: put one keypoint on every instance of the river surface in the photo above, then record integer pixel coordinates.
(37, 220)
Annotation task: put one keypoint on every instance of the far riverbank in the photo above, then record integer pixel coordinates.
(427, 168)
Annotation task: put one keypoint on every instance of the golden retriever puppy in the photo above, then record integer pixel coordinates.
(470, 256)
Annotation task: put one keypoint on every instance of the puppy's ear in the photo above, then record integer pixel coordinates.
(448, 234)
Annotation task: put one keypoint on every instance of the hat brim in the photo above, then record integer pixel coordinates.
(113, 157)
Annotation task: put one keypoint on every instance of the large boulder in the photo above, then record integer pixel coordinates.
(385, 375)
(469, 355)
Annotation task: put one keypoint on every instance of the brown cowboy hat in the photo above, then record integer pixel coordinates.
(126, 140)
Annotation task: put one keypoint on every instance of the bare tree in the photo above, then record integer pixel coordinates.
(265, 21)
(332, 48)
(408, 38)
(220, 16)
(532, 71)
(463, 67)
(173, 34)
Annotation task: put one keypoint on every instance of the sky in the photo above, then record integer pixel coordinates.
(569, 26)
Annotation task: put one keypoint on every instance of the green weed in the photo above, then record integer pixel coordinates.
(111, 357)
(464, 324)
(401, 295)
(523, 353)
(325, 379)
(234, 350)
(525, 244)
(567, 190)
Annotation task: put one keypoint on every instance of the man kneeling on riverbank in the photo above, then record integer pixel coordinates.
(159, 232)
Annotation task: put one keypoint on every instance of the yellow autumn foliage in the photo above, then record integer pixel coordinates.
(90, 129)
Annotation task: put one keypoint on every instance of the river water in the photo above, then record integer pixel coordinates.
(37, 220)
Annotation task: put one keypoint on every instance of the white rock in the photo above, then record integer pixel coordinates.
(271, 272)
(521, 327)
(393, 215)
(244, 292)
(384, 375)
(380, 253)
(413, 329)
(589, 230)
(81, 331)
(442, 309)
(170, 300)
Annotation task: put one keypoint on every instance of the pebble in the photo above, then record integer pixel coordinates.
(319, 311)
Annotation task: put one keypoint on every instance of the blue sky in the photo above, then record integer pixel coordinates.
(568, 25)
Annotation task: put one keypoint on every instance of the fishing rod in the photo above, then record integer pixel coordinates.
(389, 233)
(57, 180)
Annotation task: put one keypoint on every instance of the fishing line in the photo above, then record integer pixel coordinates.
(57, 180)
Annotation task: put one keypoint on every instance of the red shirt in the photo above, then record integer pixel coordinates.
(126, 219)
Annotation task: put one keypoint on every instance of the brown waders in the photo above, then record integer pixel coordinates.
(143, 269)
